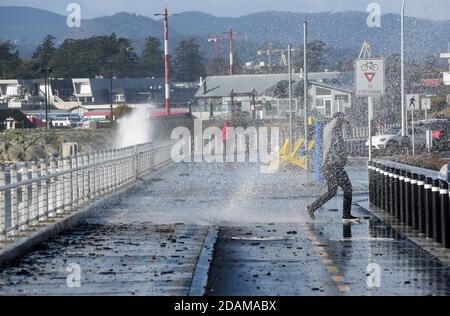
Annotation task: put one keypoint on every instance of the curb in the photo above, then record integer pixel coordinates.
(199, 279)
(16, 249)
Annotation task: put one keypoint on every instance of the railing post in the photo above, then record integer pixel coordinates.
(414, 201)
(408, 217)
(24, 209)
(101, 159)
(421, 203)
(2, 206)
(44, 194)
(109, 183)
(429, 207)
(75, 175)
(53, 182)
(396, 194)
(114, 169)
(390, 192)
(85, 179)
(34, 195)
(96, 176)
(67, 184)
(79, 181)
(91, 176)
(60, 187)
(436, 213)
(136, 162)
(402, 195)
(445, 217)
(14, 203)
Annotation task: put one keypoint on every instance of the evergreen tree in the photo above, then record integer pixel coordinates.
(10, 61)
(44, 52)
(152, 61)
(188, 61)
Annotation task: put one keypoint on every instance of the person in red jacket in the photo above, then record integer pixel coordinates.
(225, 137)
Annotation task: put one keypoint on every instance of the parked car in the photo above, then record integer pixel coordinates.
(392, 139)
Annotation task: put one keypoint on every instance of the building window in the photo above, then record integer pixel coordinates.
(327, 107)
(119, 97)
(321, 91)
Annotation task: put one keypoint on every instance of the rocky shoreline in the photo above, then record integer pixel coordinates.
(32, 145)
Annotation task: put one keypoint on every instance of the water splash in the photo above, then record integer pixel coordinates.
(135, 128)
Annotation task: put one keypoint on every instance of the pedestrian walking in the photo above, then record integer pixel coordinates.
(334, 161)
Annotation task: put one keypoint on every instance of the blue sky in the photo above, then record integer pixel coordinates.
(434, 9)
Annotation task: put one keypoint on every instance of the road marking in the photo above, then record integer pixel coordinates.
(344, 288)
(328, 263)
(332, 269)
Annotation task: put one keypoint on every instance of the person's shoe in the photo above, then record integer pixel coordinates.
(310, 212)
(350, 219)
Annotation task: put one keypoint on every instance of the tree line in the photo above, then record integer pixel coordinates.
(102, 56)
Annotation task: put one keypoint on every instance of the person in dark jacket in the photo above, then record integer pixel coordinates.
(334, 161)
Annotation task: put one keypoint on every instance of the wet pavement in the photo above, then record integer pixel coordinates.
(148, 241)
(323, 258)
(127, 259)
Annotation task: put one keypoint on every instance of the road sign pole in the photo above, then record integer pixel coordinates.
(413, 134)
(370, 101)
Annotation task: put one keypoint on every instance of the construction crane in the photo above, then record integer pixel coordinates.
(215, 40)
(270, 52)
(229, 36)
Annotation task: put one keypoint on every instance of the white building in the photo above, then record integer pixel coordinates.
(329, 92)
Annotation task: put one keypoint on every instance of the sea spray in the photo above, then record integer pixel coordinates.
(135, 128)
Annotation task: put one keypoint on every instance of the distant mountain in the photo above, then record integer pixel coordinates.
(344, 31)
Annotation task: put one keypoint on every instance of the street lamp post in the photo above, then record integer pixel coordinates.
(111, 94)
(305, 83)
(231, 52)
(46, 72)
(290, 97)
(402, 48)
(166, 58)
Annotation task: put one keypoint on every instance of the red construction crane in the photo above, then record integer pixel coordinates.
(229, 36)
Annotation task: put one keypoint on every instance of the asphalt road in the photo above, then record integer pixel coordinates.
(147, 242)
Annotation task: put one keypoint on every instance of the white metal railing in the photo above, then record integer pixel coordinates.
(34, 192)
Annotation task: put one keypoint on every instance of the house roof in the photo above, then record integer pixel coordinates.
(220, 86)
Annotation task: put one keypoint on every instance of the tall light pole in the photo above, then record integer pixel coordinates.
(166, 58)
(290, 98)
(231, 52)
(402, 49)
(46, 72)
(305, 82)
(111, 93)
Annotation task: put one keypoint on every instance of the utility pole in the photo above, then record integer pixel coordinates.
(402, 48)
(46, 72)
(305, 82)
(290, 98)
(231, 52)
(111, 94)
(166, 58)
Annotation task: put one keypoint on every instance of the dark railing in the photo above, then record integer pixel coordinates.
(413, 197)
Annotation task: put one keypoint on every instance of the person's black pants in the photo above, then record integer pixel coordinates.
(335, 179)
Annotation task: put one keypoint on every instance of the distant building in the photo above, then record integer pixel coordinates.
(86, 94)
(14, 119)
(329, 92)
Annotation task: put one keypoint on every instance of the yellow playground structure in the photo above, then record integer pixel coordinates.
(286, 157)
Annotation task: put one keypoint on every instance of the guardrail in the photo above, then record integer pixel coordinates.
(418, 200)
(34, 192)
